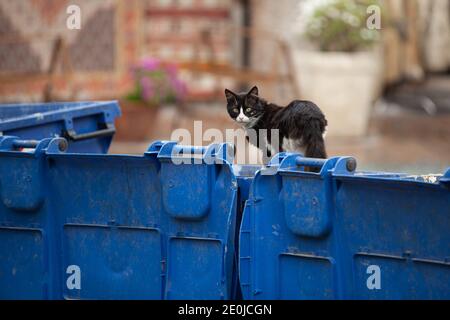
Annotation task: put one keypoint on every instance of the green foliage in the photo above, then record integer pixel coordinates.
(341, 25)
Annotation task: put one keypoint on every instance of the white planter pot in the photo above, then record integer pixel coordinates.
(343, 85)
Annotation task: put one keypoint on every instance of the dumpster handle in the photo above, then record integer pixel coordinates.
(350, 163)
(25, 143)
(72, 135)
(188, 149)
(309, 162)
(61, 144)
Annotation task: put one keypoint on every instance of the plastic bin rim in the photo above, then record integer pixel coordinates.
(80, 108)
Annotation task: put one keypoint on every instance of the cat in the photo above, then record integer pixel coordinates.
(301, 124)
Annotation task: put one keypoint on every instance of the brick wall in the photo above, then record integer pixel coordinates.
(114, 35)
(29, 29)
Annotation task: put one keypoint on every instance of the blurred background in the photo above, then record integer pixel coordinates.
(380, 70)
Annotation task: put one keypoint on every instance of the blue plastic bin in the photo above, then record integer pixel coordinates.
(164, 226)
(87, 126)
(94, 226)
(338, 234)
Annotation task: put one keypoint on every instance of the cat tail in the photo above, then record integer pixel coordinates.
(315, 144)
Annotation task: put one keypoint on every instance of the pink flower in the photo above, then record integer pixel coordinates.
(150, 64)
(158, 83)
(172, 70)
(147, 88)
(179, 87)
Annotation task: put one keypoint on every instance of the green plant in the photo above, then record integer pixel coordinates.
(156, 83)
(340, 25)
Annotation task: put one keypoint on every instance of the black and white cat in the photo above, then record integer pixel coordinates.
(301, 124)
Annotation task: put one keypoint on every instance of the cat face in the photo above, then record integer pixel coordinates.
(244, 108)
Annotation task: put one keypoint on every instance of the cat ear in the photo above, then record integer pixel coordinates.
(253, 91)
(231, 97)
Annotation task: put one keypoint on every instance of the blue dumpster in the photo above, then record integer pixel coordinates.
(87, 126)
(95, 226)
(341, 234)
(163, 226)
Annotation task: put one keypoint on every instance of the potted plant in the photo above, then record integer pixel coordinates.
(156, 85)
(343, 74)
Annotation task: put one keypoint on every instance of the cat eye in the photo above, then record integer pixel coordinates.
(248, 110)
(235, 110)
